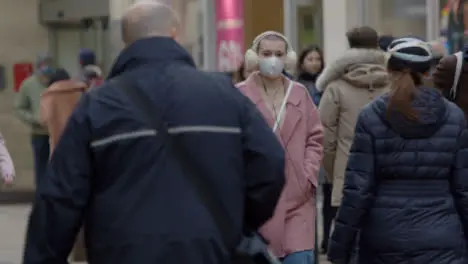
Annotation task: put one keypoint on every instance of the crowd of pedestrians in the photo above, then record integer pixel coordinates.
(148, 161)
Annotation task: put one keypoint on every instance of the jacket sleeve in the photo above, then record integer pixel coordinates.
(23, 106)
(44, 110)
(314, 145)
(6, 163)
(358, 194)
(460, 179)
(264, 167)
(62, 196)
(329, 114)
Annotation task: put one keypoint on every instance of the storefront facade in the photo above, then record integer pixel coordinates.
(442, 20)
(217, 32)
(419, 18)
(325, 23)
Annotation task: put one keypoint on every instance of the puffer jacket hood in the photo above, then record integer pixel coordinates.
(430, 106)
(367, 76)
(352, 57)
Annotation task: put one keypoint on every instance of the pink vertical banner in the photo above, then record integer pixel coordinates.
(229, 34)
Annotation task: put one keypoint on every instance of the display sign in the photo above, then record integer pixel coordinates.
(229, 34)
(21, 71)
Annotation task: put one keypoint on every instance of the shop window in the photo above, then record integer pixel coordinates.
(454, 24)
(309, 24)
(191, 16)
(398, 17)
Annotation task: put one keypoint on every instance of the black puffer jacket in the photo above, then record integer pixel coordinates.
(406, 186)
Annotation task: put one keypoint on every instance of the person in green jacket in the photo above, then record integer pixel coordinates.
(27, 106)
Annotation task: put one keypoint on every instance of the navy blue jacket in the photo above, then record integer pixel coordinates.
(315, 94)
(405, 196)
(308, 80)
(111, 172)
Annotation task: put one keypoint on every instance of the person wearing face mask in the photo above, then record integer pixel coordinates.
(289, 110)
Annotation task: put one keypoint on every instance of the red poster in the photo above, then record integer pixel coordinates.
(21, 71)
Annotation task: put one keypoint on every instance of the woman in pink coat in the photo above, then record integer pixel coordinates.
(289, 110)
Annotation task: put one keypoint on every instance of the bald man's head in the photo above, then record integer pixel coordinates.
(149, 19)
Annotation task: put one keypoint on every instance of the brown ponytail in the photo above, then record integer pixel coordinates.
(401, 96)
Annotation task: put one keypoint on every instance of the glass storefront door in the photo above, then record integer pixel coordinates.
(309, 24)
(306, 26)
(454, 24)
(191, 15)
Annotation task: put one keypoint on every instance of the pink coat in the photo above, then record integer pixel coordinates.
(292, 227)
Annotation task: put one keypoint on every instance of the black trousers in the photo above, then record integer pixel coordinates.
(328, 213)
(40, 146)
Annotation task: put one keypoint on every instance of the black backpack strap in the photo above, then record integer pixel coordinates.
(192, 171)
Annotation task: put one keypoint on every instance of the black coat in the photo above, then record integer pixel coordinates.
(111, 172)
(405, 197)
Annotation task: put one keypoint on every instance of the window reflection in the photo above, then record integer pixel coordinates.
(192, 32)
(454, 23)
(309, 24)
(398, 17)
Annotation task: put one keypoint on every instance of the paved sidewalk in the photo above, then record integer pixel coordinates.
(323, 260)
(13, 220)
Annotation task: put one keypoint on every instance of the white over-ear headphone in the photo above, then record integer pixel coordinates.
(251, 55)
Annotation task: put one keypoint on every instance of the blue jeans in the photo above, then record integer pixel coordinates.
(40, 146)
(301, 257)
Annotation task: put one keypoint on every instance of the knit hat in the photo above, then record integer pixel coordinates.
(87, 57)
(409, 54)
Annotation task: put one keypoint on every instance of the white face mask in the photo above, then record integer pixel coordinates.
(271, 66)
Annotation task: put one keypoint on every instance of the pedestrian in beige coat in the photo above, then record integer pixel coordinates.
(348, 84)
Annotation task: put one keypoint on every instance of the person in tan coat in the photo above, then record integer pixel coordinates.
(58, 102)
(348, 84)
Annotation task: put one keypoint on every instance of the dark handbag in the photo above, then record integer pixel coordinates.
(252, 248)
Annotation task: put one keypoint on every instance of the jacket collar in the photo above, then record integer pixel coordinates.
(293, 113)
(254, 81)
(149, 50)
(350, 57)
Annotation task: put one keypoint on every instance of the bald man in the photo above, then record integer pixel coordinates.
(113, 172)
(149, 19)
